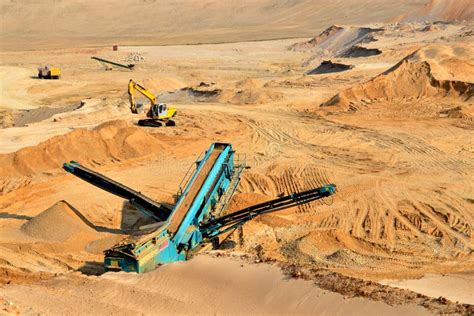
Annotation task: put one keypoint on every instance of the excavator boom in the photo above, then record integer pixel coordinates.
(132, 86)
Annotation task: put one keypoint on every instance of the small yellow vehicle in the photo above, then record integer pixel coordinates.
(159, 114)
(48, 72)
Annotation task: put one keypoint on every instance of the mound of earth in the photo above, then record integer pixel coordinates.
(315, 41)
(431, 72)
(249, 84)
(360, 51)
(108, 142)
(250, 96)
(328, 66)
(59, 223)
(162, 84)
(336, 40)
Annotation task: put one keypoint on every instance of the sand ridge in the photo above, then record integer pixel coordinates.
(154, 23)
(419, 75)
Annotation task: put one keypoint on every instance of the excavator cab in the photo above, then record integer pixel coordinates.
(159, 110)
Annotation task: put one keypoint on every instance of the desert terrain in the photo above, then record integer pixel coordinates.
(375, 97)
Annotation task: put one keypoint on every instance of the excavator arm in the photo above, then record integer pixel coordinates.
(133, 86)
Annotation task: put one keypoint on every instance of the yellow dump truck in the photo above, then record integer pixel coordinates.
(48, 72)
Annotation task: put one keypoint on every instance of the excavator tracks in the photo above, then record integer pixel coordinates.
(155, 123)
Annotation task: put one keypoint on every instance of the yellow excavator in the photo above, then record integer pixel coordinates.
(159, 114)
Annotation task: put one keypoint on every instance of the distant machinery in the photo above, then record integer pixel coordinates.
(107, 64)
(48, 72)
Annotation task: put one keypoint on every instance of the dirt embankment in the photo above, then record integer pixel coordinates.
(318, 39)
(337, 40)
(247, 91)
(109, 142)
(431, 72)
(354, 287)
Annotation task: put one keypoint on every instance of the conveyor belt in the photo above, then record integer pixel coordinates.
(183, 206)
(102, 60)
(230, 221)
(144, 203)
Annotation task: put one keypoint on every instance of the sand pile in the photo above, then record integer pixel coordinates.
(431, 72)
(315, 41)
(250, 96)
(59, 223)
(336, 40)
(249, 91)
(109, 142)
(249, 83)
(162, 84)
(328, 66)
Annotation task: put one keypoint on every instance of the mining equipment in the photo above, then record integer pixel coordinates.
(48, 72)
(198, 217)
(159, 114)
(108, 63)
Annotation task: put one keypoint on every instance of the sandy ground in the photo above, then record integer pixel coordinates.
(234, 287)
(455, 287)
(393, 132)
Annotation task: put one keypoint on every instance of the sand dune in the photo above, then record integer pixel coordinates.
(441, 10)
(336, 40)
(184, 22)
(433, 71)
(111, 141)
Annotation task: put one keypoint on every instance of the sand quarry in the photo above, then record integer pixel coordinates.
(376, 97)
